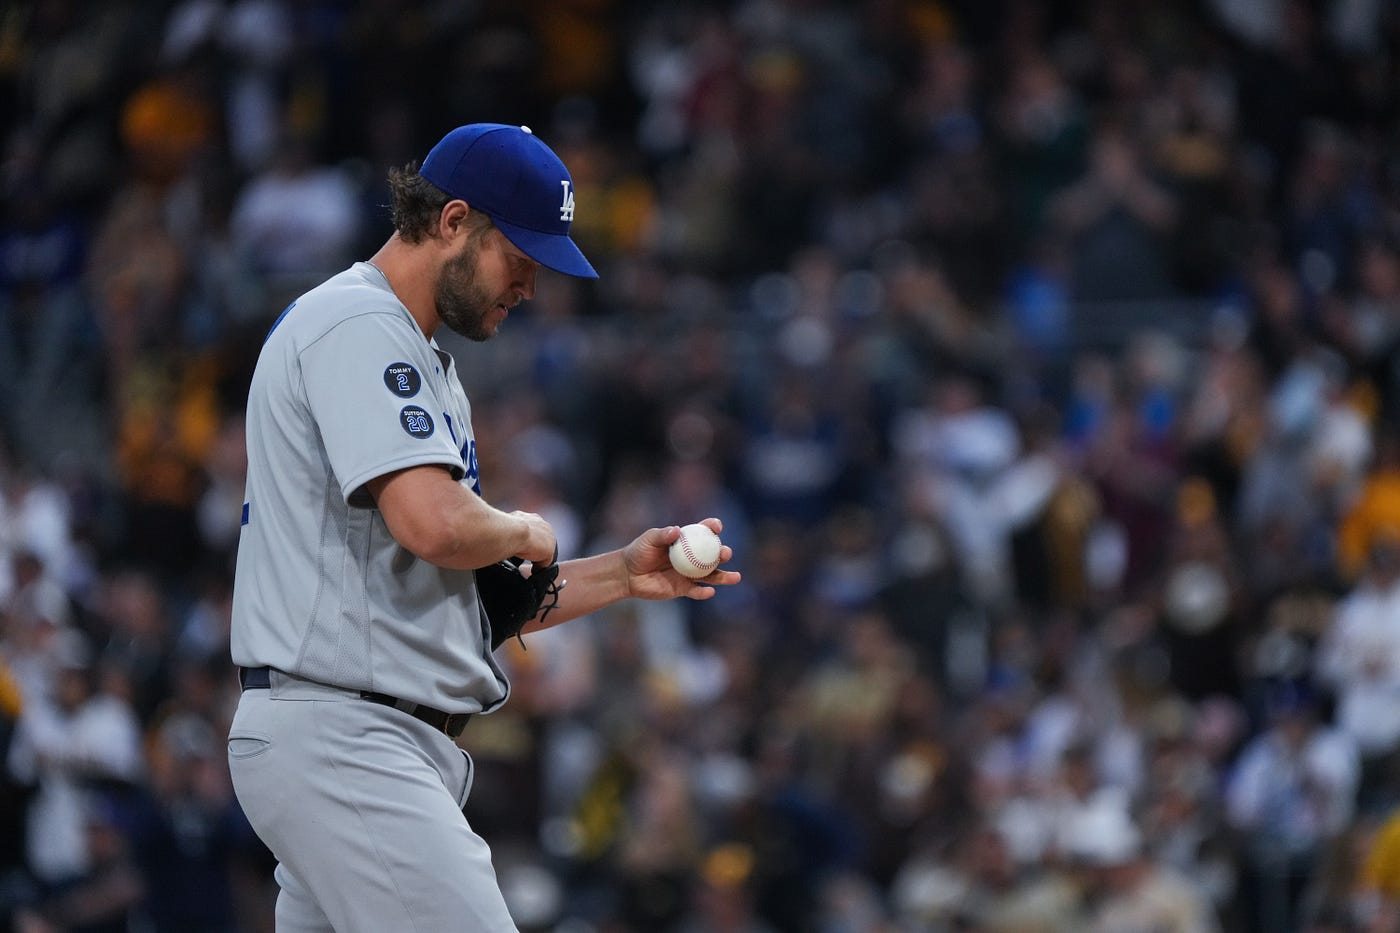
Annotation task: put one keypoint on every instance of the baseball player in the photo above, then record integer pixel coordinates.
(358, 632)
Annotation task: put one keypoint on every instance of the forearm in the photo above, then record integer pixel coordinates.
(472, 534)
(445, 523)
(593, 582)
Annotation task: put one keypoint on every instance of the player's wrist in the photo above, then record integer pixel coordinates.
(624, 574)
(523, 536)
(517, 536)
(605, 578)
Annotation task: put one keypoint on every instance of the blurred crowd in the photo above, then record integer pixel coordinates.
(1042, 358)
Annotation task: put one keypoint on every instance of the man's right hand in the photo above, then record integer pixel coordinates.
(541, 546)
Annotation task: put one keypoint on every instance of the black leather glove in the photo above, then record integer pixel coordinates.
(511, 599)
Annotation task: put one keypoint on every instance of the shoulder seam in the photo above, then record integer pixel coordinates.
(368, 311)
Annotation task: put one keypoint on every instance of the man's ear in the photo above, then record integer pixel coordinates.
(452, 221)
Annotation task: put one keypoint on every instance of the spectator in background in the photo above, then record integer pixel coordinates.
(1123, 888)
(254, 39)
(1133, 468)
(957, 448)
(979, 884)
(48, 348)
(75, 745)
(1201, 597)
(1278, 320)
(188, 831)
(661, 849)
(723, 894)
(1331, 206)
(795, 456)
(1377, 894)
(133, 637)
(16, 883)
(106, 897)
(1122, 221)
(296, 219)
(1359, 660)
(1050, 511)
(36, 596)
(1180, 806)
(1370, 325)
(1220, 422)
(1042, 127)
(1374, 514)
(1290, 794)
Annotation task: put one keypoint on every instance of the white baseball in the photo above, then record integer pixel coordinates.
(695, 553)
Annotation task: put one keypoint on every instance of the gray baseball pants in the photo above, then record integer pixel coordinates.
(362, 806)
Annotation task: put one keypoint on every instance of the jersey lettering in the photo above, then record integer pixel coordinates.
(469, 460)
(468, 454)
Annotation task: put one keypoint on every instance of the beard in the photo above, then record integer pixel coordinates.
(462, 303)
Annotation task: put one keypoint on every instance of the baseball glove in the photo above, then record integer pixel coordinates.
(511, 599)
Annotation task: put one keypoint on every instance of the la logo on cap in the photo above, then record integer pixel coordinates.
(566, 210)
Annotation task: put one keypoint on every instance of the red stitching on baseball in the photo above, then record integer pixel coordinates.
(690, 555)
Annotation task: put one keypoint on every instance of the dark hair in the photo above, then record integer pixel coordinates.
(417, 203)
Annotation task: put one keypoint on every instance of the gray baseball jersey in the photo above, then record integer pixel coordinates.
(347, 389)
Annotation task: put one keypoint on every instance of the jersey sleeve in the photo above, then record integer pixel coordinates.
(371, 385)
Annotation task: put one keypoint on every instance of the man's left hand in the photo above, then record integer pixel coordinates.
(651, 576)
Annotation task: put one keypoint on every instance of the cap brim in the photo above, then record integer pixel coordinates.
(552, 250)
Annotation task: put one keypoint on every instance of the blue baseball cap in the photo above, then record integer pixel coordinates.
(509, 174)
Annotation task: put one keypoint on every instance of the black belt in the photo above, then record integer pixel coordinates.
(452, 724)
